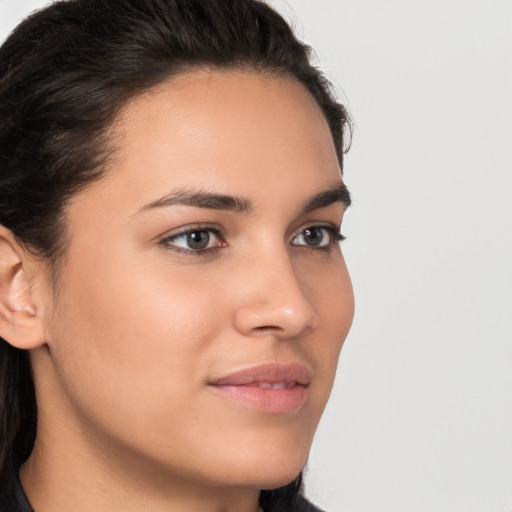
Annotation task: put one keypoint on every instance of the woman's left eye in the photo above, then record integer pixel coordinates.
(195, 240)
(317, 236)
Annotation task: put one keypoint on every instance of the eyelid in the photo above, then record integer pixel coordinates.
(333, 230)
(166, 240)
(318, 224)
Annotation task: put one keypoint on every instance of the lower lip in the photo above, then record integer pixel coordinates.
(267, 399)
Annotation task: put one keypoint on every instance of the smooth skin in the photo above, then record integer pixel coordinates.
(145, 316)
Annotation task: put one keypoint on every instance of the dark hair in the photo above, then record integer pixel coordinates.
(65, 73)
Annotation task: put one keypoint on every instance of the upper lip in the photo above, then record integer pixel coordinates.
(268, 373)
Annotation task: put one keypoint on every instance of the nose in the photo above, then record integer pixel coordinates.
(273, 300)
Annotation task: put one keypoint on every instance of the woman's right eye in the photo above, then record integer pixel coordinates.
(195, 240)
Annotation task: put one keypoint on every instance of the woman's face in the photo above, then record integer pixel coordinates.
(204, 299)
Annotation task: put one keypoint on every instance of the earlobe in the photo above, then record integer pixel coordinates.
(20, 322)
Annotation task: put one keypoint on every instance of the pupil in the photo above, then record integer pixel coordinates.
(313, 236)
(198, 239)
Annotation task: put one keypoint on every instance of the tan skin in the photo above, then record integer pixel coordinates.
(123, 355)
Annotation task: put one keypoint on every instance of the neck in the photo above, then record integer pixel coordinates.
(66, 471)
(52, 484)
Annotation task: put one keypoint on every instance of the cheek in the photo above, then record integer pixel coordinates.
(132, 335)
(330, 290)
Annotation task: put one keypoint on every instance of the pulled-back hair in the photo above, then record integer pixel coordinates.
(65, 73)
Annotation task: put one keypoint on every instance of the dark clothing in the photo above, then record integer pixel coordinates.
(303, 505)
(16, 501)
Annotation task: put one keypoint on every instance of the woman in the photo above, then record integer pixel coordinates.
(173, 295)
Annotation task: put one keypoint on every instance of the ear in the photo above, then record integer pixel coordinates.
(20, 322)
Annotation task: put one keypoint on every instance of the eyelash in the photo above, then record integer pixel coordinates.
(167, 241)
(335, 238)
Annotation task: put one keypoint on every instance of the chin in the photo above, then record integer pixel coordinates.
(279, 480)
(268, 456)
(270, 469)
(266, 480)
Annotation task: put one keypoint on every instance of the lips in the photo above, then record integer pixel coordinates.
(270, 388)
(267, 373)
(273, 385)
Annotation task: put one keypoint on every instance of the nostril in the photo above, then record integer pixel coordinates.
(284, 329)
(268, 329)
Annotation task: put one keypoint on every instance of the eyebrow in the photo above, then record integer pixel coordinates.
(336, 194)
(213, 201)
(200, 199)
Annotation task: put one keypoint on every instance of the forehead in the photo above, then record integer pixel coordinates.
(207, 119)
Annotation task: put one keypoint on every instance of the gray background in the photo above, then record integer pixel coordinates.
(421, 415)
